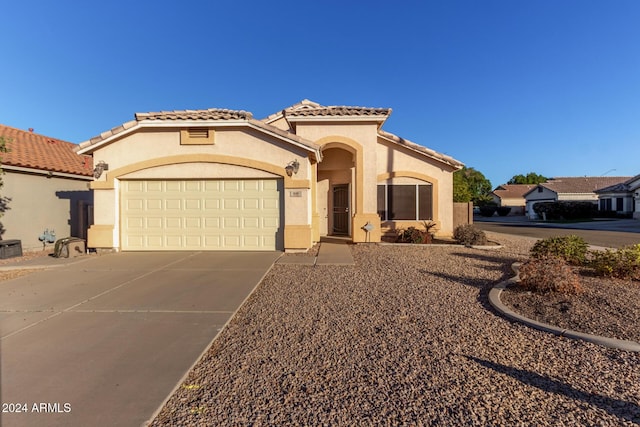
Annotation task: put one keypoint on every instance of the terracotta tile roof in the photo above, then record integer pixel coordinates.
(210, 114)
(586, 184)
(307, 108)
(512, 191)
(340, 111)
(420, 149)
(35, 151)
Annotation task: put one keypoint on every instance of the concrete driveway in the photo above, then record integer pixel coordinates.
(104, 341)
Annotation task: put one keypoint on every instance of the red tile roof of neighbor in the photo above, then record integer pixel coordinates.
(31, 150)
(512, 191)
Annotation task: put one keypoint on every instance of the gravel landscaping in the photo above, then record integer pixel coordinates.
(404, 337)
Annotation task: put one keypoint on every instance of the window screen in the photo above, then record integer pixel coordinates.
(405, 202)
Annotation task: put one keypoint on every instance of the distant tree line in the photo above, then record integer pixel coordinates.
(530, 178)
(470, 185)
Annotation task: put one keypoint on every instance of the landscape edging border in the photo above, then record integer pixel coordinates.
(494, 300)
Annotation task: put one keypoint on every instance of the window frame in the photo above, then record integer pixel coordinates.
(385, 209)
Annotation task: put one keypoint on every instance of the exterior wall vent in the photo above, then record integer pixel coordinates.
(197, 136)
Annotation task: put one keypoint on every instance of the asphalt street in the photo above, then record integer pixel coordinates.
(605, 233)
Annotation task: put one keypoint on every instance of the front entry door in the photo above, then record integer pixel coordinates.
(341, 209)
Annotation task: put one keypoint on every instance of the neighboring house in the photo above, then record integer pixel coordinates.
(46, 187)
(221, 180)
(623, 198)
(512, 196)
(575, 189)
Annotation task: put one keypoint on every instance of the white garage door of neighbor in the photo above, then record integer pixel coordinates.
(235, 214)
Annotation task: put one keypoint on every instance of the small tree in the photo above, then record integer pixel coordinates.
(3, 200)
(471, 185)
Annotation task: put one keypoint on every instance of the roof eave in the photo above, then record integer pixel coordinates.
(457, 165)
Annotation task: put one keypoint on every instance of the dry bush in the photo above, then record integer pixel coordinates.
(549, 274)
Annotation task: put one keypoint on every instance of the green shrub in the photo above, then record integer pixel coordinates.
(572, 249)
(503, 210)
(468, 234)
(566, 210)
(549, 274)
(623, 263)
(487, 210)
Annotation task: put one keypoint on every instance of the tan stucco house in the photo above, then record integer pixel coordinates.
(512, 196)
(221, 180)
(46, 189)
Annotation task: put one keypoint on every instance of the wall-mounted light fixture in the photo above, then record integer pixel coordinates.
(99, 168)
(292, 168)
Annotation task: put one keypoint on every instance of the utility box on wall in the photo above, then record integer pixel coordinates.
(10, 248)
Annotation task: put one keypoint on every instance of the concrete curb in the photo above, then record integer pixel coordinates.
(494, 300)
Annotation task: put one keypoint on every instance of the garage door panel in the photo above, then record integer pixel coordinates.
(173, 186)
(193, 186)
(212, 242)
(231, 186)
(149, 186)
(173, 204)
(251, 241)
(248, 204)
(193, 204)
(135, 204)
(201, 214)
(270, 223)
(231, 222)
(154, 223)
(250, 223)
(231, 204)
(193, 223)
(153, 204)
(172, 224)
(212, 204)
(193, 241)
(135, 222)
(232, 241)
(211, 223)
(153, 241)
(271, 204)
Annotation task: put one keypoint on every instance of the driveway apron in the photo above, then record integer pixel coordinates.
(104, 341)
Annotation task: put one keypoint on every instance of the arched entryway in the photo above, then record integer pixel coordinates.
(335, 191)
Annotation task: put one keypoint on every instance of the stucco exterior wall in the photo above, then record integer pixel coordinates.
(145, 145)
(39, 203)
(399, 162)
(235, 153)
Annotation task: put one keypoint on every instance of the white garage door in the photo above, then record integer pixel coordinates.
(232, 214)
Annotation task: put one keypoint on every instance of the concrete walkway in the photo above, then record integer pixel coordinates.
(331, 252)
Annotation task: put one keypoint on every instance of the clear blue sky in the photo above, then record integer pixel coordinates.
(505, 86)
